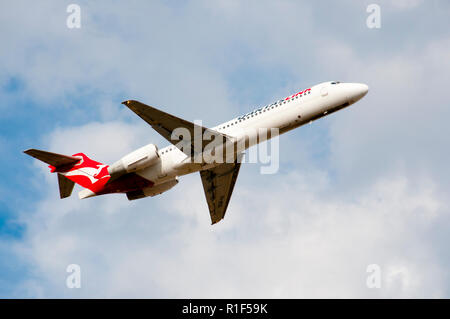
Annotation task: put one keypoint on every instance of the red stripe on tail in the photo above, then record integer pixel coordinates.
(87, 173)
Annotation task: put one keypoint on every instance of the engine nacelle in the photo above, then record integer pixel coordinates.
(153, 190)
(137, 160)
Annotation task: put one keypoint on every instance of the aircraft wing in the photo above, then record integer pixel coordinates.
(218, 184)
(165, 124)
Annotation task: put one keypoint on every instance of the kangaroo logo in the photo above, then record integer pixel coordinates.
(88, 173)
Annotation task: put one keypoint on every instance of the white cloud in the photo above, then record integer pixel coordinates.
(287, 240)
(292, 238)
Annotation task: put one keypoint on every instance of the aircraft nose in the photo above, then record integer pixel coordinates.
(357, 91)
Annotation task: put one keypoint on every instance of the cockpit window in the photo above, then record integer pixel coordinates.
(335, 82)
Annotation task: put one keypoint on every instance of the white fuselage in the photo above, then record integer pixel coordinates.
(284, 115)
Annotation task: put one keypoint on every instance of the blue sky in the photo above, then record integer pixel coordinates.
(366, 185)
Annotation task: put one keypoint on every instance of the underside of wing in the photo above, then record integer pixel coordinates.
(167, 124)
(218, 184)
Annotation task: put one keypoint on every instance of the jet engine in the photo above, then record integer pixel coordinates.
(152, 190)
(137, 160)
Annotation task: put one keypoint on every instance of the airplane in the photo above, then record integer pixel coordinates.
(149, 171)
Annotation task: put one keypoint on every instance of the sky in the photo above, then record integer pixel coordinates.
(366, 185)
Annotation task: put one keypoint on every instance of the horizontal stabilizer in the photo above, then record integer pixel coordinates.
(56, 160)
(65, 186)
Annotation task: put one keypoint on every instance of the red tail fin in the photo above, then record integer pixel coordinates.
(87, 173)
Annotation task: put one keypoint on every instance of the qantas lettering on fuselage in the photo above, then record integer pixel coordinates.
(307, 91)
